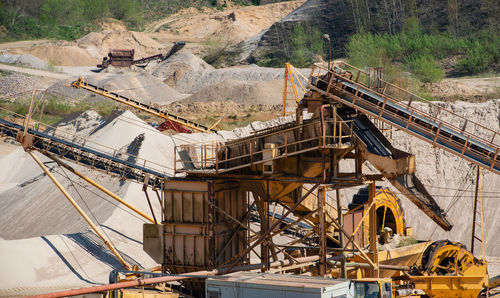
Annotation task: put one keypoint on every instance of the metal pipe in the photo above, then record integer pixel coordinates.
(365, 265)
(163, 279)
(85, 217)
(98, 186)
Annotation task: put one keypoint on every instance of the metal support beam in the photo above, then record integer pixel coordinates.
(478, 198)
(343, 271)
(373, 230)
(322, 230)
(80, 211)
(98, 186)
(211, 222)
(262, 238)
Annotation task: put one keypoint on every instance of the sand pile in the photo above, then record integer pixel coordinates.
(78, 128)
(98, 44)
(32, 207)
(60, 53)
(90, 49)
(188, 73)
(140, 86)
(241, 92)
(24, 60)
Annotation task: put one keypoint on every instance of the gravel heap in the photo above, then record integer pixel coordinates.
(24, 60)
(13, 83)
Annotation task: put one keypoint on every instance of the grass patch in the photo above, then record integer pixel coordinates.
(56, 109)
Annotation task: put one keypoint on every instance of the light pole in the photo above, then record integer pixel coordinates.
(327, 37)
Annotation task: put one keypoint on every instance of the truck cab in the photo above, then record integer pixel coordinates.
(372, 288)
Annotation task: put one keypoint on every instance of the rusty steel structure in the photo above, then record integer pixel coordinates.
(125, 57)
(291, 175)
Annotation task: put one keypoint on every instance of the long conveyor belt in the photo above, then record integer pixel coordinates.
(80, 83)
(87, 156)
(411, 120)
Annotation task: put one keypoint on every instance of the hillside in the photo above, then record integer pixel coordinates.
(344, 18)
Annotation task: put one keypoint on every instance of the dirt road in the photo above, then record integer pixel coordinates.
(35, 72)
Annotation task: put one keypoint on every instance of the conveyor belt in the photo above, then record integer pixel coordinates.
(406, 183)
(84, 155)
(413, 121)
(80, 83)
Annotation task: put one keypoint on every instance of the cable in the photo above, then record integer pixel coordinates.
(74, 257)
(104, 198)
(88, 208)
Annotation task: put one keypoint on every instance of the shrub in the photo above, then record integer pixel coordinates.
(426, 68)
(419, 52)
(364, 49)
(306, 43)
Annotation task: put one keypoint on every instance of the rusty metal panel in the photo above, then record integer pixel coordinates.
(351, 220)
(153, 241)
(197, 232)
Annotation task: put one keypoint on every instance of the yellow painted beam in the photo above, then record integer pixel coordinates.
(80, 211)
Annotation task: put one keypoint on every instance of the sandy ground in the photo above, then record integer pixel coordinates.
(466, 88)
(35, 72)
(233, 24)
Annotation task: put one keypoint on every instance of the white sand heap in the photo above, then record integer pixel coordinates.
(32, 207)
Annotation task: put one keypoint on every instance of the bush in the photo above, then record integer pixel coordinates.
(365, 49)
(306, 43)
(420, 52)
(426, 69)
(481, 53)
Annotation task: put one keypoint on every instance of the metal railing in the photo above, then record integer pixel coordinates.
(249, 151)
(85, 151)
(437, 125)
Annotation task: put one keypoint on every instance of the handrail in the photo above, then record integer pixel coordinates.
(431, 124)
(407, 106)
(214, 156)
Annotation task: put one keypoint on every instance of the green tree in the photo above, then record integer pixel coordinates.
(306, 43)
(127, 11)
(62, 12)
(96, 9)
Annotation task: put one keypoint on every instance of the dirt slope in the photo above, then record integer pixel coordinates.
(232, 24)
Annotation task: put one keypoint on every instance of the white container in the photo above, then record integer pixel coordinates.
(262, 285)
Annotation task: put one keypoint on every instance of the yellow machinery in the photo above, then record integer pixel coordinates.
(447, 269)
